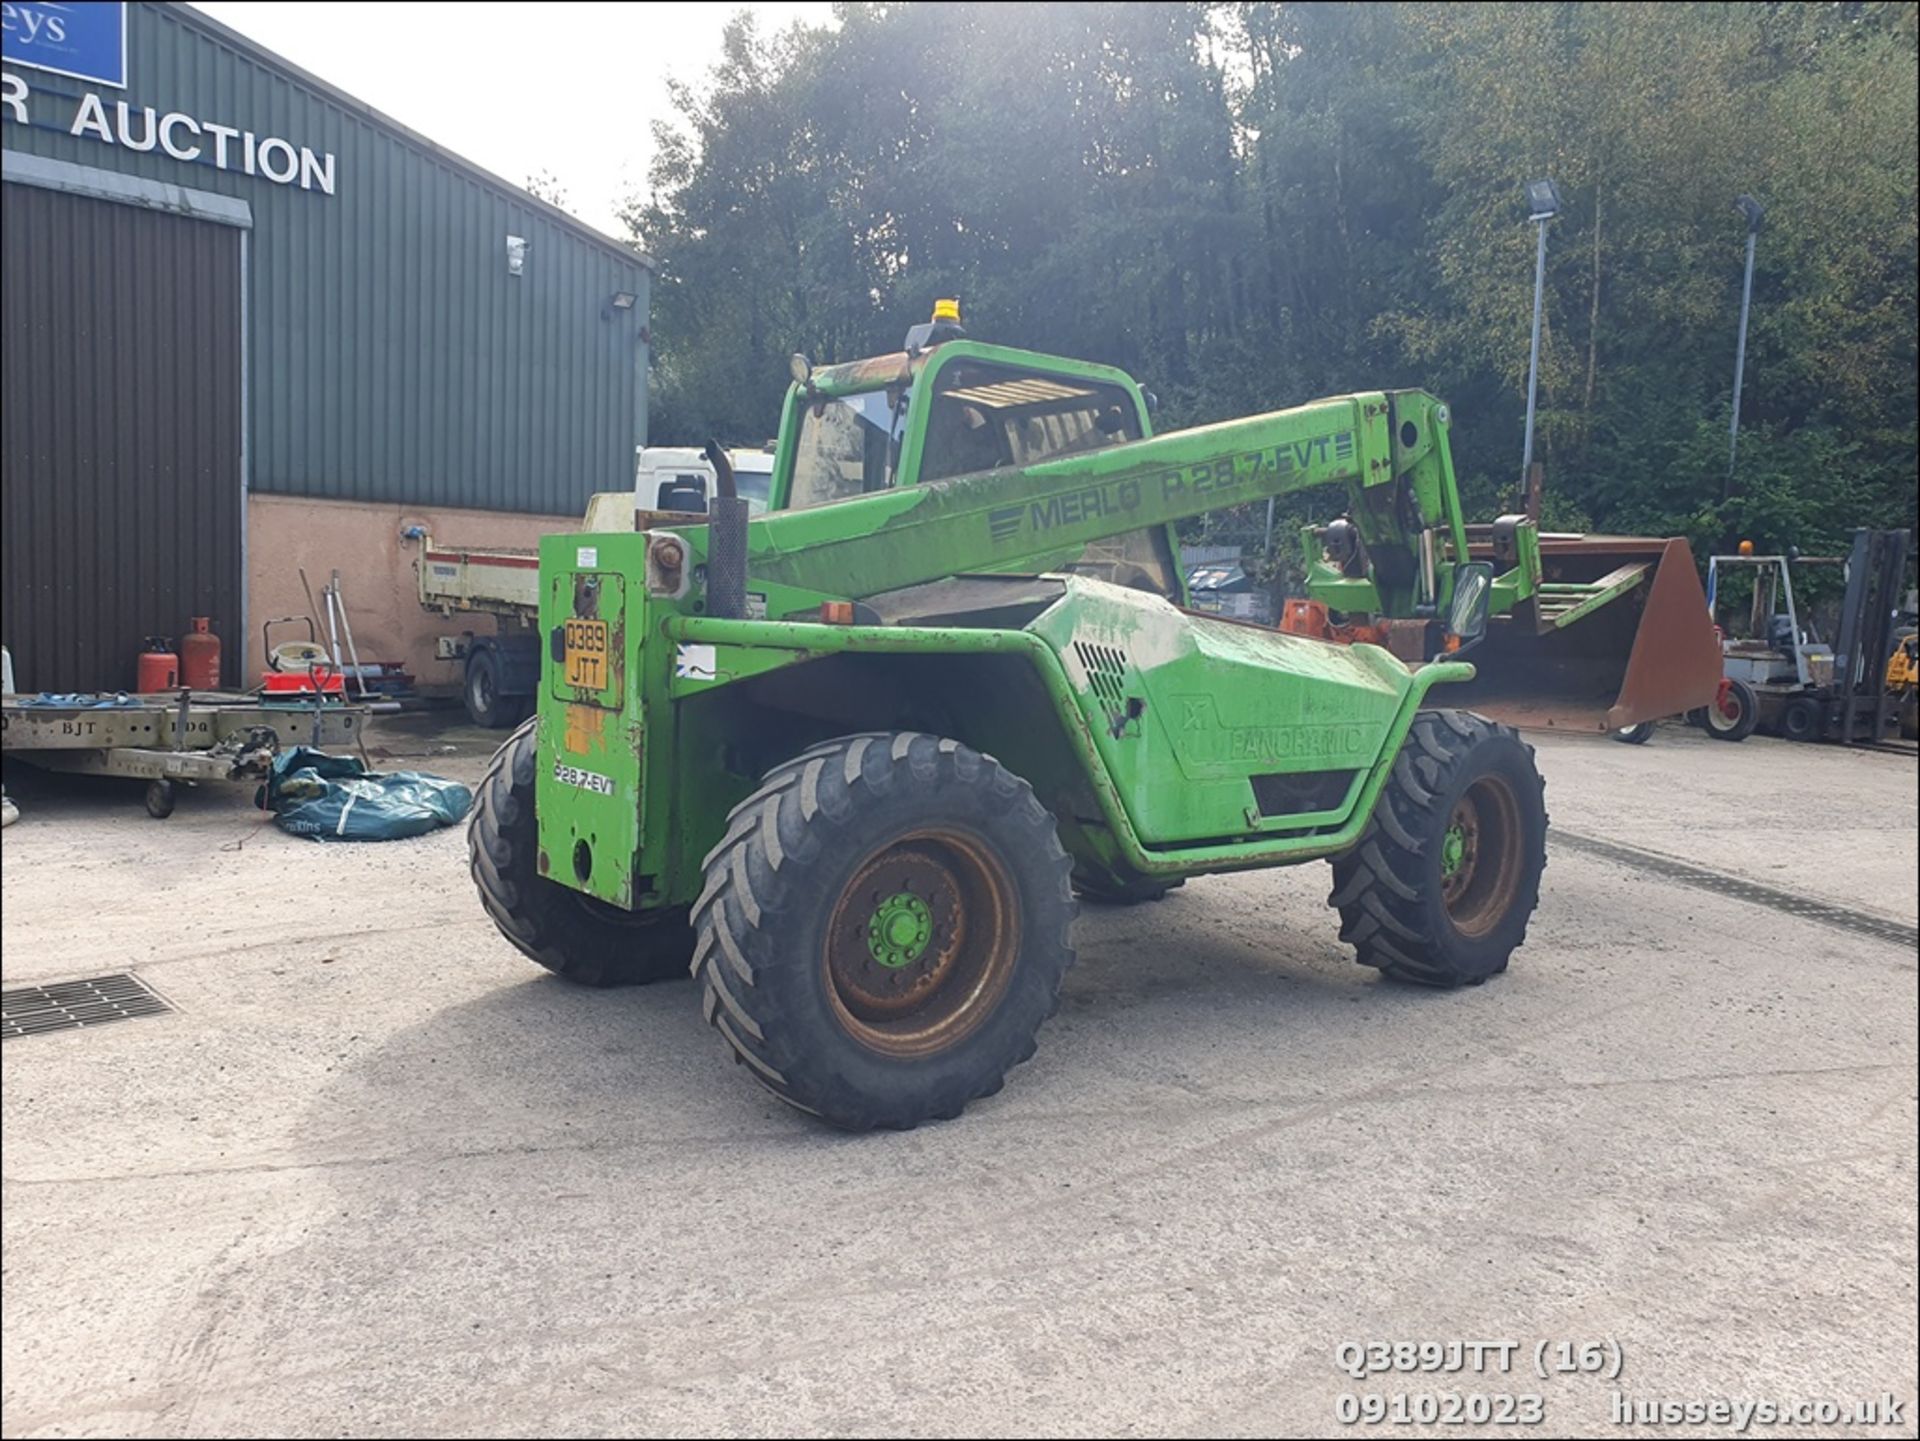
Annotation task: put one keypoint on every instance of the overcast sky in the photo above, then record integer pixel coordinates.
(516, 88)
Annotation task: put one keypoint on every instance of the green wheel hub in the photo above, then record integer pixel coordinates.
(899, 929)
(1453, 849)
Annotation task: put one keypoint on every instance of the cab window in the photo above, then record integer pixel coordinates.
(988, 417)
(845, 447)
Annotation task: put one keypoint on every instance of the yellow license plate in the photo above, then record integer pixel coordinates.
(585, 658)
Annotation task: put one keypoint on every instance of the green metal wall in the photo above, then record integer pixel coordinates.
(392, 356)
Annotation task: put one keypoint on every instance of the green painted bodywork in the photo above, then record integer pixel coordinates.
(1165, 743)
(1577, 602)
(590, 788)
(1219, 701)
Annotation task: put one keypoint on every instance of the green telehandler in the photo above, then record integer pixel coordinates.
(852, 759)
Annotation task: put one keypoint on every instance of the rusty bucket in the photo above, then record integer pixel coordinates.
(1618, 634)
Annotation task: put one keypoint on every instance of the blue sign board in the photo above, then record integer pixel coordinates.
(85, 40)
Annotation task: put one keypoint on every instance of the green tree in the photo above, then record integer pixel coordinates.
(1250, 204)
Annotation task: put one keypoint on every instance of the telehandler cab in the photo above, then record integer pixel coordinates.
(854, 757)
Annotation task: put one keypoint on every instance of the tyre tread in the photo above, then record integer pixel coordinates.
(1377, 885)
(540, 918)
(758, 878)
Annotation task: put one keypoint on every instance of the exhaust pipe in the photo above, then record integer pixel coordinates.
(726, 541)
(722, 464)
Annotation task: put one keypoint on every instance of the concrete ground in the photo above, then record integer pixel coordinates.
(381, 1176)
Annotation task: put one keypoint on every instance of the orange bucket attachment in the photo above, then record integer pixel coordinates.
(1618, 634)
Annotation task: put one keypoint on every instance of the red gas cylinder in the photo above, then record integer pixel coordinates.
(159, 667)
(200, 657)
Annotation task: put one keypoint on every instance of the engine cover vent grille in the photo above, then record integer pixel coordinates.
(1106, 671)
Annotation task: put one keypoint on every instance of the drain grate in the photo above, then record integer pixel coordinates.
(73, 1005)
(1863, 923)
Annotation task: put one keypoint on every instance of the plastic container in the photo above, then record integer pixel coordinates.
(158, 668)
(200, 657)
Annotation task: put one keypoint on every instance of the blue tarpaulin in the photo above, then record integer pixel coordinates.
(335, 798)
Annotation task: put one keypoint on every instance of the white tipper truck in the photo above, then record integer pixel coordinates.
(502, 669)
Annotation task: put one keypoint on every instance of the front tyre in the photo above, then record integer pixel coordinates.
(580, 938)
(1635, 735)
(884, 928)
(1446, 875)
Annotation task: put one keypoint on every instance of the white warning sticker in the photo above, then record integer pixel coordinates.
(693, 662)
(586, 556)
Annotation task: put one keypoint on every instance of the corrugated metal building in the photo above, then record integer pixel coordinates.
(252, 324)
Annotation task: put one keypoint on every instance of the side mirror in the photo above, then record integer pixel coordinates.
(1472, 596)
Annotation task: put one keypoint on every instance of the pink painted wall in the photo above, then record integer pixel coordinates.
(362, 541)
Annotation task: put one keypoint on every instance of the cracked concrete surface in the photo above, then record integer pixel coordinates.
(380, 1176)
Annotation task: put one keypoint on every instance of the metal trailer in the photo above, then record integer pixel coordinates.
(168, 741)
(501, 670)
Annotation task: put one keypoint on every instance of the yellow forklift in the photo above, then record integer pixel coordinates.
(1903, 681)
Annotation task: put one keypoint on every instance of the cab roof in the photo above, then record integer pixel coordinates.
(902, 368)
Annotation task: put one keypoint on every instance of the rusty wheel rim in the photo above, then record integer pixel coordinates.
(1480, 853)
(921, 942)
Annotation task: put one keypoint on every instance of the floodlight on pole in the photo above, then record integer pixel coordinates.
(1543, 197)
(1755, 214)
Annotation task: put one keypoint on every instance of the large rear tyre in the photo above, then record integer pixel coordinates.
(1736, 713)
(1446, 876)
(884, 928)
(578, 937)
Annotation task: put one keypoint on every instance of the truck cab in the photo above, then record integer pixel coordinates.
(671, 477)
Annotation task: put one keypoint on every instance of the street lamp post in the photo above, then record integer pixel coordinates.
(1544, 198)
(1755, 213)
